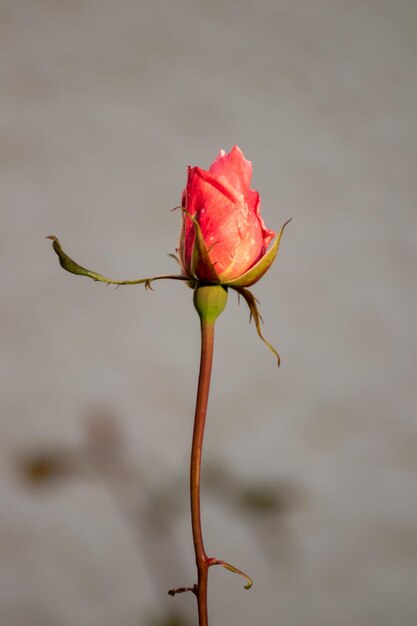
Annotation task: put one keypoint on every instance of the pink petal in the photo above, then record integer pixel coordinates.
(254, 202)
(233, 169)
(228, 212)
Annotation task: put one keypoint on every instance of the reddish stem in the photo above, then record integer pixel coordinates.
(202, 561)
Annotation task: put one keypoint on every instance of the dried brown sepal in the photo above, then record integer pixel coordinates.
(252, 303)
(233, 569)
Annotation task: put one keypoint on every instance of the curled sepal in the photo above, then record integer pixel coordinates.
(200, 254)
(174, 256)
(254, 313)
(258, 270)
(233, 569)
(71, 266)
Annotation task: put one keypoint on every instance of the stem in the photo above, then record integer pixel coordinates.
(202, 561)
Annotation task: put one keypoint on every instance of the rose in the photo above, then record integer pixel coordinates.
(223, 244)
(223, 237)
(223, 240)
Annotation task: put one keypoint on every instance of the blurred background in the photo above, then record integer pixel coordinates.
(309, 479)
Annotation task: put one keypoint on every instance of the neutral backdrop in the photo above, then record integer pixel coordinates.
(310, 471)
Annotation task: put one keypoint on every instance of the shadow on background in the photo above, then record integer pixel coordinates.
(150, 515)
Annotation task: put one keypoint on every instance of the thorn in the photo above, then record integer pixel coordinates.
(173, 592)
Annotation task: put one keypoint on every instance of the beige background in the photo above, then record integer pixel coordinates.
(310, 480)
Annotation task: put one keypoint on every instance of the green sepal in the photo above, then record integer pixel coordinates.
(200, 253)
(71, 266)
(252, 302)
(257, 271)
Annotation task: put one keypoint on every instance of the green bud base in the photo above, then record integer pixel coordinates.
(210, 301)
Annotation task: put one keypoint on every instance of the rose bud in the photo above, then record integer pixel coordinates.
(223, 237)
